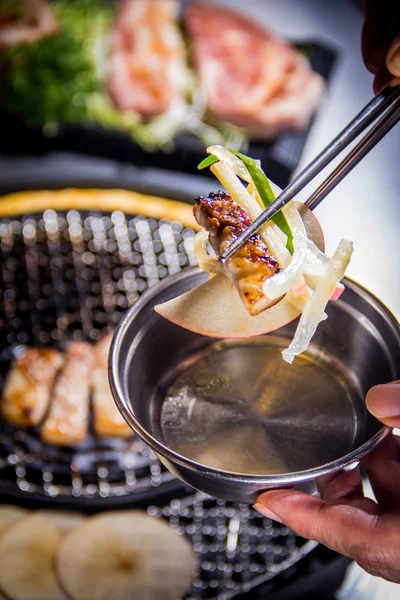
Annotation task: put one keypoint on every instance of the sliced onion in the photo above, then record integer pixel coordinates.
(313, 249)
(240, 169)
(233, 161)
(279, 231)
(204, 260)
(235, 189)
(276, 246)
(240, 194)
(313, 312)
(251, 188)
(316, 265)
(318, 269)
(281, 283)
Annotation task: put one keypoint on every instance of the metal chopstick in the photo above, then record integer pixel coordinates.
(376, 133)
(383, 103)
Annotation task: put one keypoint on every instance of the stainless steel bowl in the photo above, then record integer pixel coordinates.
(314, 431)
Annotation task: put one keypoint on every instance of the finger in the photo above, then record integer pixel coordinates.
(345, 529)
(381, 26)
(340, 485)
(346, 488)
(383, 401)
(383, 469)
(389, 64)
(373, 35)
(393, 57)
(382, 77)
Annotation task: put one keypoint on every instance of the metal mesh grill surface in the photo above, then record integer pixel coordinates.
(71, 275)
(237, 549)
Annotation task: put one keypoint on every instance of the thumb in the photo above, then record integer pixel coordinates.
(393, 57)
(383, 401)
(341, 527)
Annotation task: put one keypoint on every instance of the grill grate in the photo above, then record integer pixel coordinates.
(237, 549)
(71, 275)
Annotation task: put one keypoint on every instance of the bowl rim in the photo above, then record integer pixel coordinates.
(348, 460)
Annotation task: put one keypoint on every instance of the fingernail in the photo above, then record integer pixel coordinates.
(393, 58)
(383, 401)
(266, 512)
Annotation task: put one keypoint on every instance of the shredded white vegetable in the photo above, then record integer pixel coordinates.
(313, 312)
(240, 194)
(251, 188)
(276, 247)
(313, 249)
(279, 284)
(204, 260)
(308, 278)
(235, 189)
(279, 231)
(233, 161)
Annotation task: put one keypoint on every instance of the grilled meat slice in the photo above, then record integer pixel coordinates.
(148, 62)
(28, 386)
(108, 421)
(225, 219)
(67, 421)
(248, 75)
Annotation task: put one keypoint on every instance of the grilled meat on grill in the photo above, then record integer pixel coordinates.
(67, 421)
(28, 386)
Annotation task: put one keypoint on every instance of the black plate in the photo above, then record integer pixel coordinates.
(279, 158)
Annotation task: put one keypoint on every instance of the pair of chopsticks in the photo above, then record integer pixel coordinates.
(385, 107)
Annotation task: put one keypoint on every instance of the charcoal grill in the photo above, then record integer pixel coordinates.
(237, 549)
(69, 270)
(70, 274)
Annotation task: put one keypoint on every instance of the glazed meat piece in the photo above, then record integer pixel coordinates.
(28, 386)
(249, 76)
(108, 421)
(225, 219)
(148, 61)
(26, 22)
(67, 421)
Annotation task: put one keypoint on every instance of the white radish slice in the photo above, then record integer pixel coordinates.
(125, 554)
(235, 189)
(233, 161)
(27, 554)
(313, 312)
(65, 520)
(277, 246)
(9, 514)
(282, 282)
(215, 309)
